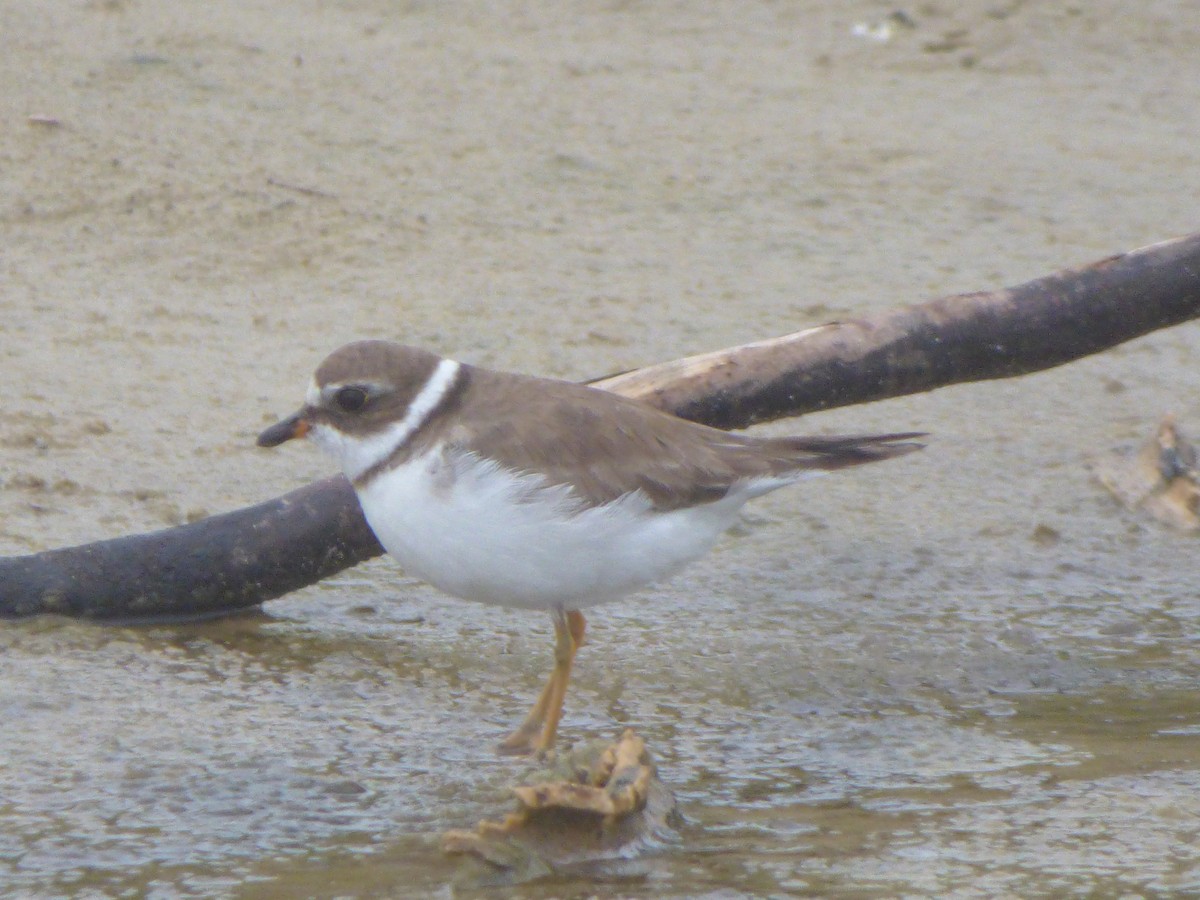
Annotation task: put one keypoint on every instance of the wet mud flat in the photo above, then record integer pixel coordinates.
(975, 676)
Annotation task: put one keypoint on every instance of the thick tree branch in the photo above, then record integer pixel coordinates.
(206, 568)
(245, 557)
(967, 337)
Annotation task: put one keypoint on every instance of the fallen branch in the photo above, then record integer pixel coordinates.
(246, 557)
(214, 566)
(967, 337)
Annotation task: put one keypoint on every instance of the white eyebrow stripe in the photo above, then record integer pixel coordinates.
(366, 453)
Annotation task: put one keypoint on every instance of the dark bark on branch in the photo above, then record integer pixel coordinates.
(213, 566)
(968, 337)
(246, 557)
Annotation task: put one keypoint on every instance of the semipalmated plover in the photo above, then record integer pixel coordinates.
(539, 494)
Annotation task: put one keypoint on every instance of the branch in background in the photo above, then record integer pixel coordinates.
(246, 557)
(968, 337)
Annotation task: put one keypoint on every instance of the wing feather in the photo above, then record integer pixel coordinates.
(606, 446)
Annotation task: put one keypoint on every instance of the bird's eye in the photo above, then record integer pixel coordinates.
(350, 399)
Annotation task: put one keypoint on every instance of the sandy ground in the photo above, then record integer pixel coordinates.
(197, 202)
(572, 191)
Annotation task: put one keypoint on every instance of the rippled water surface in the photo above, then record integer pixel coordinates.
(882, 718)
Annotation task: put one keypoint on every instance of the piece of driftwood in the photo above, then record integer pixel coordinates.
(967, 337)
(243, 558)
(593, 806)
(206, 568)
(1160, 478)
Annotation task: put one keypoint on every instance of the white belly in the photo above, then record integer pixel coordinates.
(483, 533)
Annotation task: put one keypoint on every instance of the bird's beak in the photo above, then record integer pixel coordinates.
(294, 426)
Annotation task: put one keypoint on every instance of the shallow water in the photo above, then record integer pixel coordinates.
(967, 672)
(882, 718)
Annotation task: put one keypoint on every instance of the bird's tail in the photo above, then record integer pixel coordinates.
(827, 452)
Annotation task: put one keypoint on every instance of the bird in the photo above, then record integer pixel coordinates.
(535, 493)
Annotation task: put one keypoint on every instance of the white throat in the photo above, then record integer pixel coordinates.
(358, 455)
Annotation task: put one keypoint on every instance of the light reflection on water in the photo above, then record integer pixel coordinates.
(886, 683)
(1033, 736)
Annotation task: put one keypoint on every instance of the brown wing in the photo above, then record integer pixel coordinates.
(606, 446)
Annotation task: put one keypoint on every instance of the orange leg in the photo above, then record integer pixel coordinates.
(540, 728)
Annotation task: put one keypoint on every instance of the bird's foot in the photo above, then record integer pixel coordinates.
(528, 740)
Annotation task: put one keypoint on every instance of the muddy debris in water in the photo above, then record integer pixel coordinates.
(594, 806)
(1160, 477)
